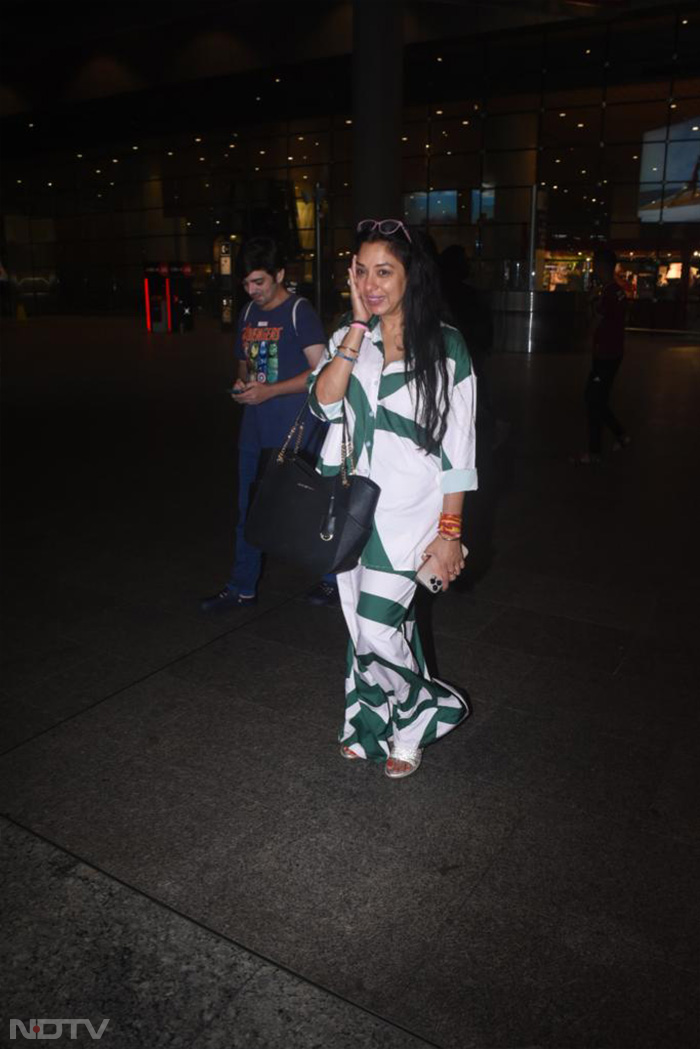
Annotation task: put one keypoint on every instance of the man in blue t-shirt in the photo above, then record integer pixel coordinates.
(279, 341)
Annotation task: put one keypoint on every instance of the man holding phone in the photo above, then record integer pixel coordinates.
(279, 341)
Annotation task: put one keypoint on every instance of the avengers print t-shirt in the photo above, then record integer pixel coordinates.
(272, 343)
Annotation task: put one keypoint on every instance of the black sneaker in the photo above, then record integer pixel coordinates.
(323, 594)
(226, 599)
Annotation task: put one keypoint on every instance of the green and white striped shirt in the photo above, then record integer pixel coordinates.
(380, 409)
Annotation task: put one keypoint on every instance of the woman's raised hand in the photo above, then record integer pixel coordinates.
(359, 310)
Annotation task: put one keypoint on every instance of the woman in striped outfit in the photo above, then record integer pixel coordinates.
(406, 385)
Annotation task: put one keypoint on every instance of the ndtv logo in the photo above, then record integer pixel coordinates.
(36, 1029)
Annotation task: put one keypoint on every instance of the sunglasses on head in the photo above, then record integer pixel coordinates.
(385, 226)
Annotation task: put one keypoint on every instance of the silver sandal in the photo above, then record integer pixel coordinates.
(412, 757)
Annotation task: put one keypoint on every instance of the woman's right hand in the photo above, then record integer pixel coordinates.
(359, 310)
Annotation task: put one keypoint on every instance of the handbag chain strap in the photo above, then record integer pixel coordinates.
(346, 449)
(346, 452)
(297, 426)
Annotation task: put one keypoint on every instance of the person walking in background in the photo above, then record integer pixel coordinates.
(279, 340)
(610, 308)
(405, 383)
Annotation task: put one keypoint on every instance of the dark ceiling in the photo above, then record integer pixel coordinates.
(48, 51)
(71, 71)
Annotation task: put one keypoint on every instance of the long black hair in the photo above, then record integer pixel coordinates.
(423, 340)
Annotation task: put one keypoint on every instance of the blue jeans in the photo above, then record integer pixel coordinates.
(248, 563)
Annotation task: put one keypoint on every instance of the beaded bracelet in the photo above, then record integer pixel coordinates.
(353, 360)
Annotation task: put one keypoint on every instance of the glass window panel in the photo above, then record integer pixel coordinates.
(511, 131)
(481, 204)
(652, 162)
(681, 202)
(523, 53)
(510, 168)
(342, 177)
(620, 163)
(638, 91)
(310, 124)
(414, 138)
(624, 231)
(446, 172)
(415, 208)
(455, 109)
(556, 98)
(442, 206)
(342, 210)
(306, 149)
(569, 164)
(624, 201)
(629, 123)
(686, 86)
(682, 159)
(268, 152)
(464, 204)
(274, 128)
(685, 111)
(415, 174)
(462, 134)
(342, 144)
(512, 205)
(304, 177)
(445, 236)
(571, 126)
(343, 240)
(515, 103)
(504, 242)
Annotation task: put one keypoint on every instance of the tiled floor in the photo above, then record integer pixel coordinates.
(186, 854)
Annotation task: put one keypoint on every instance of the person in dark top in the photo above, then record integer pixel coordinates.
(279, 340)
(610, 306)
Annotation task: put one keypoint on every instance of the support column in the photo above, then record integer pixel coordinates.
(377, 82)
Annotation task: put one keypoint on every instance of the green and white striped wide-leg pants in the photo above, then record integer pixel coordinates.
(389, 694)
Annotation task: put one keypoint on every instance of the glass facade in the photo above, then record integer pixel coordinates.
(594, 146)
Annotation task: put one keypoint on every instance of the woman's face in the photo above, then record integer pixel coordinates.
(381, 279)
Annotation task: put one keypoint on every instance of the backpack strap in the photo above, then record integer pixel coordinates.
(295, 307)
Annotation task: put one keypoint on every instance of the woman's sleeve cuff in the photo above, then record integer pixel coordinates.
(459, 481)
(328, 412)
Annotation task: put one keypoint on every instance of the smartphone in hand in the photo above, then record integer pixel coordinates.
(427, 577)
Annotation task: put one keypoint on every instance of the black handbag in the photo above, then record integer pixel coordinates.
(320, 523)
